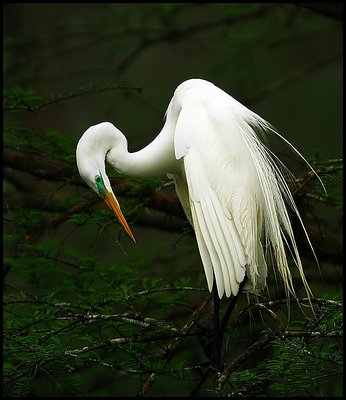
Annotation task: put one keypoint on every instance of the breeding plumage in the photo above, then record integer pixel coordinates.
(231, 186)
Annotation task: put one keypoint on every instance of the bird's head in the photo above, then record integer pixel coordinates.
(91, 153)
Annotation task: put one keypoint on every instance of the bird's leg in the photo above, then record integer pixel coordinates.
(217, 335)
(216, 341)
(219, 327)
(230, 308)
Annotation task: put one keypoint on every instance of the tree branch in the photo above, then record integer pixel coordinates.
(189, 325)
(38, 165)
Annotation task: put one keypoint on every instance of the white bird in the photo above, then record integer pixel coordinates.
(231, 186)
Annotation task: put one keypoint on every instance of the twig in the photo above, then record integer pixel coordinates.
(319, 301)
(312, 334)
(169, 289)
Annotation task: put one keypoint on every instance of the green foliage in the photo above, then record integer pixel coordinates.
(43, 340)
(293, 370)
(20, 98)
(296, 365)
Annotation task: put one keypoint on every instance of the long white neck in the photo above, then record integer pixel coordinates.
(157, 158)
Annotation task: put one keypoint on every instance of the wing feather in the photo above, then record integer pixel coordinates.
(204, 220)
(236, 190)
(216, 227)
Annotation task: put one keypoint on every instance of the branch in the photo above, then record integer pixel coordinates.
(37, 165)
(314, 334)
(166, 332)
(188, 288)
(153, 336)
(129, 318)
(273, 303)
(56, 99)
(190, 324)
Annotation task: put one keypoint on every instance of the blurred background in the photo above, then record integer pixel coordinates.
(69, 66)
(282, 61)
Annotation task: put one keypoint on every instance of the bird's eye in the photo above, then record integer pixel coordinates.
(100, 185)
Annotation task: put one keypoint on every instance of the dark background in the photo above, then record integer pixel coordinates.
(283, 61)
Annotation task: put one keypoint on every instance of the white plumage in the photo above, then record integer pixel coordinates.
(230, 185)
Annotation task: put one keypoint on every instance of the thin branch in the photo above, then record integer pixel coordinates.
(312, 334)
(169, 289)
(307, 300)
(129, 339)
(68, 96)
(129, 318)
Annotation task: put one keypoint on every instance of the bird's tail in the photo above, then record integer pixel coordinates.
(271, 173)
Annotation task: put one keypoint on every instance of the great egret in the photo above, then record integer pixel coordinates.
(231, 186)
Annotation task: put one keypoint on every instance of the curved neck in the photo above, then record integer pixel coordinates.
(157, 158)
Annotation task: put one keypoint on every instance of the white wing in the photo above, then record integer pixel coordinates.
(234, 189)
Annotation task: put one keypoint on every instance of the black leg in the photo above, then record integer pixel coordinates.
(216, 340)
(213, 347)
(230, 308)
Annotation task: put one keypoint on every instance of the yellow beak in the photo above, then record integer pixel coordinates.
(113, 204)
